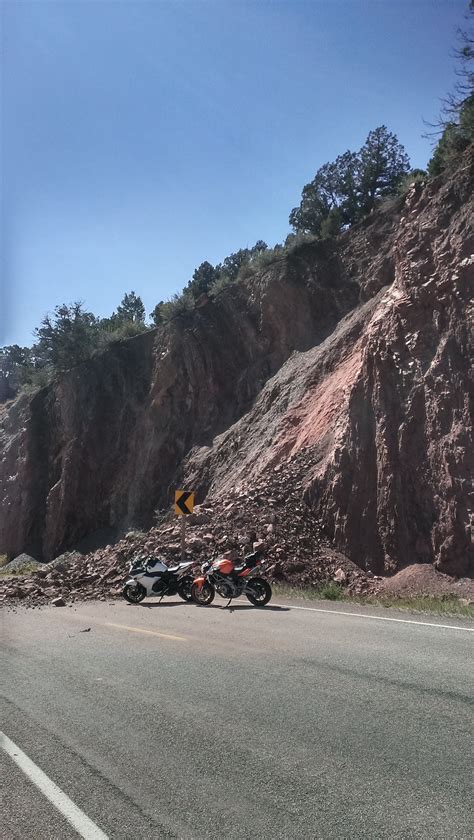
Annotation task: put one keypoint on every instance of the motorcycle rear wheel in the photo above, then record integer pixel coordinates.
(184, 588)
(203, 595)
(134, 593)
(261, 592)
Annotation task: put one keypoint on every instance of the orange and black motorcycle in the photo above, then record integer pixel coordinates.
(230, 581)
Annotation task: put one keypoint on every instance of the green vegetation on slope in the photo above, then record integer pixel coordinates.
(63, 339)
(343, 192)
(456, 121)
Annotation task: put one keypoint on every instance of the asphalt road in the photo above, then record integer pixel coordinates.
(176, 721)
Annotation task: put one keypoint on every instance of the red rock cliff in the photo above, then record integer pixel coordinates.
(356, 353)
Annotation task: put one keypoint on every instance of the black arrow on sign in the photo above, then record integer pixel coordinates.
(181, 502)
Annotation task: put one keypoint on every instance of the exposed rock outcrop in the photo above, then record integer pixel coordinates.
(383, 407)
(345, 364)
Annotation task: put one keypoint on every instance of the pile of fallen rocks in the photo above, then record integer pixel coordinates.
(70, 577)
(271, 513)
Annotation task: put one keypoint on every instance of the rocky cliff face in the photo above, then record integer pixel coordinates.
(346, 363)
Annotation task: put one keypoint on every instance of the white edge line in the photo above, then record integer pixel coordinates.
(377, 617)
(75, 817)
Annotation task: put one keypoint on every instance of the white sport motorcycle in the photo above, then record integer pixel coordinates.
(152, 576)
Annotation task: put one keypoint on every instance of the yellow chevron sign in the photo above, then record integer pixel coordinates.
(183, 502)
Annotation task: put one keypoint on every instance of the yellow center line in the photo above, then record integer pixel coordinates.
(149, 632)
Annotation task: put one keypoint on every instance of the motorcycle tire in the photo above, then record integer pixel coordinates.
(184, 588)
(203, 595)
(134, 593)
(262, 592)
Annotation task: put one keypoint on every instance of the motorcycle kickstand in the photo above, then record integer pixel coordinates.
(226, 605)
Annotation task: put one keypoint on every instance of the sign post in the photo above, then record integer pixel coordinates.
(183, 539)
(183, 506)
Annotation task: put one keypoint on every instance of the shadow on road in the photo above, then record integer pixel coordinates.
(161, 604)
(230, 608)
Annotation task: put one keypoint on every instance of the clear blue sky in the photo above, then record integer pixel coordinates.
(141, 138)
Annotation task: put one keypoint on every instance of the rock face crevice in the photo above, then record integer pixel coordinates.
(352, 357)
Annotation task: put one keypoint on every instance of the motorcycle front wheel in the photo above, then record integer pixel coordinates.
(203, 595)
(258, 592)
(134, 592)
(185, 585)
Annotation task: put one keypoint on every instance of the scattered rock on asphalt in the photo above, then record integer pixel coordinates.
(58, 602)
